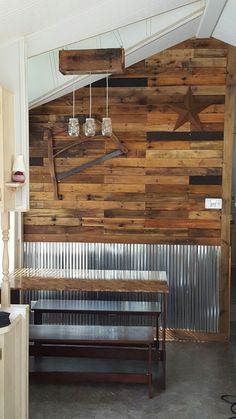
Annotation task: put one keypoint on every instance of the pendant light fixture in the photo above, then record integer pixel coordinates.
(89, 126)
(106, 122)
(73, 125)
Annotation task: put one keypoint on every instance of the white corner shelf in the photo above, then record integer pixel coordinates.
(14, 184)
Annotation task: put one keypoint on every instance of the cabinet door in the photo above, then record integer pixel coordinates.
(14, 369)
(1, 379)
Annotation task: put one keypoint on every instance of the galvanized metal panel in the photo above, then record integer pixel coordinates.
(192, 271)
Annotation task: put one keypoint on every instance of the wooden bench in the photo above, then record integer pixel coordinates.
(122, 337)
(104, 308)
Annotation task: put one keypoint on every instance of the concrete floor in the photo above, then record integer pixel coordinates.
(197, 375)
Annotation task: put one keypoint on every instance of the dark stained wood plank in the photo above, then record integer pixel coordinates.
(36, 161)
(205, 180)
(122, 82)
(185, 135)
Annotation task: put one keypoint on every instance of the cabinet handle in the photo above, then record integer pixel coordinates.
(0, 354)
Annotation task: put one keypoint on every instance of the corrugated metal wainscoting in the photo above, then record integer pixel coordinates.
(192, 271)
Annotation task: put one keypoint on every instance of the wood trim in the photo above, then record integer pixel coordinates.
(224, 295)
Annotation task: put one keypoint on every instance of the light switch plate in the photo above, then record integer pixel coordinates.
(213, 203)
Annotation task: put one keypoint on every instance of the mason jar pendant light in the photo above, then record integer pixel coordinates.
(89, 126)
(73, 125)
(106, 122)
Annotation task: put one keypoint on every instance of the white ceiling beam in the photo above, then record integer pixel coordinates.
(103, 17)
(213, 11)
(225, 28)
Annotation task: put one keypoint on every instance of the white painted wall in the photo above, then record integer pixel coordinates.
(13, 77)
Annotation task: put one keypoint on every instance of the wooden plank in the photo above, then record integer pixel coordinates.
(92, 237)
(153, 192)
(98, 187)
(182, 135)
(88, 205)
(177, 223)
(198, 76)
(87, 61)
(205, 180)
(196, 162)
(185, 171)
(171, 60)
(184, 154)
(145, 281)
(49, 221)
(224, 323)
(65, 212)
(205, 215)
(147, 179)
(206, 43)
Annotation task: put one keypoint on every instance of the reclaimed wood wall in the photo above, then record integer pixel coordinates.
(156, 193)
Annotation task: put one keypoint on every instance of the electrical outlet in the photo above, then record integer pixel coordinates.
(213, 203)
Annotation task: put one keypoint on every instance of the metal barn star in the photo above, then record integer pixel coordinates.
(188, 111)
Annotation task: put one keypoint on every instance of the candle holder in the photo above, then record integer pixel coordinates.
(18, 169)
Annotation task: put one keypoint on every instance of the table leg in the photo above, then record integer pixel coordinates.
(157, 343)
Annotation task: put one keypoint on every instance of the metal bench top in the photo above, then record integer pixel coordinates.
(104, 306)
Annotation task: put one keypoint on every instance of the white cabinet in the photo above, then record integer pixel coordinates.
(14, 365)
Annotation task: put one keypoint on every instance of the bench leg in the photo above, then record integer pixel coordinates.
(38, 318)
(163, 366)
(150, 371)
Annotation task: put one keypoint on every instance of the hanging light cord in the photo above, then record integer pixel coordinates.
(73, 104)
(90, 98)
(107, 96)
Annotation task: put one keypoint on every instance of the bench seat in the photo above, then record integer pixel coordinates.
(97, 336)
(84, 335)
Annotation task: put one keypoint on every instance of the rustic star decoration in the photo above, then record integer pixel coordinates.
(188, 111)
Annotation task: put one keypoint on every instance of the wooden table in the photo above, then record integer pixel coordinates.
(89, 280)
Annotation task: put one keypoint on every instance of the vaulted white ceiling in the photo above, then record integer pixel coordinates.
(142, 27)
